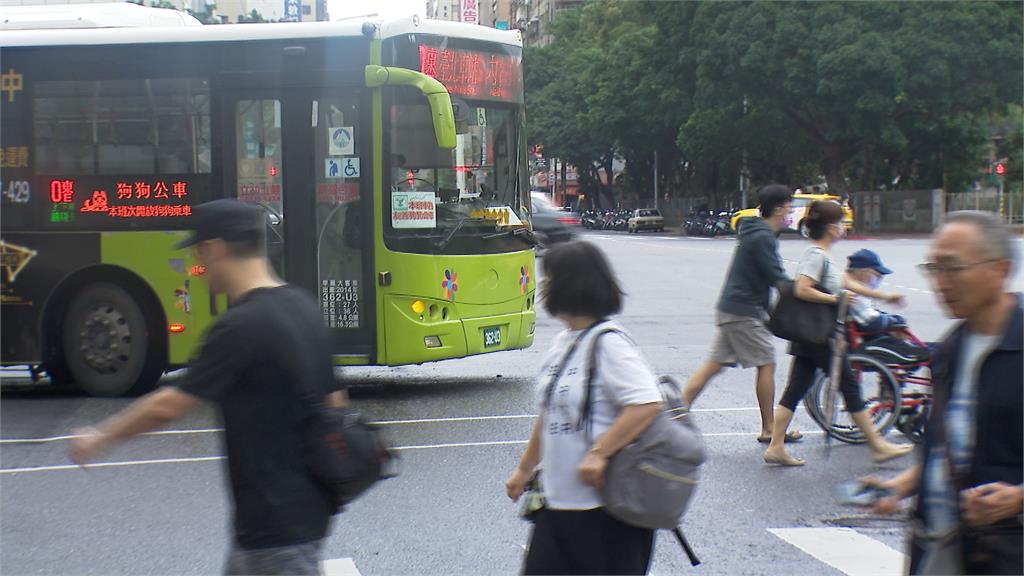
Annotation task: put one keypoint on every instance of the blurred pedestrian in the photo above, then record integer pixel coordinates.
(267, 365)
(969, 482)
(819, 280)
(741, 335)
(573, 534)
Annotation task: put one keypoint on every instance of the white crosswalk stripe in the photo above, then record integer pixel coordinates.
(340, 567)
(845, 549)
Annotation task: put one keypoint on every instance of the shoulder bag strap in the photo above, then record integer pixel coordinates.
(565, 362)
(588, 393)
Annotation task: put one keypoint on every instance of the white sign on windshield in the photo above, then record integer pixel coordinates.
(413, 210)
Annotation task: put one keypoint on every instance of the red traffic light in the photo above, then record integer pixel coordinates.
(1000, 168)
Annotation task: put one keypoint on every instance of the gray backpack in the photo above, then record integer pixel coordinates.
(649, 483)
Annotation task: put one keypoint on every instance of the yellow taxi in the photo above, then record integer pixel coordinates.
(801, 202)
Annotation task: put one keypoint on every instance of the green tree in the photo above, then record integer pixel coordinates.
(208, 15)
(557, 109)
(879, 89)
(253, 17)
(865, 94)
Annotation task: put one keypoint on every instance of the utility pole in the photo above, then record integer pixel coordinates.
(551, 181)
(655, 179)
(744, 181)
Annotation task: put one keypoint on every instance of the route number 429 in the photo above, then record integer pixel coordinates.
(16, 191)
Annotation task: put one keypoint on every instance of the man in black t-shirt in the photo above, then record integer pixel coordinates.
(267, 365)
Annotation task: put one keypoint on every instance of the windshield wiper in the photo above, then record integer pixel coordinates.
(525, 234)
(441, 244)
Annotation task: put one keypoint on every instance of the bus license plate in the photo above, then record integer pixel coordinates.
(492, 337)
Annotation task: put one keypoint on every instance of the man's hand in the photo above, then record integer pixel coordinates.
(987, 504)
(153, 410)
(591, 470)
(89, 445)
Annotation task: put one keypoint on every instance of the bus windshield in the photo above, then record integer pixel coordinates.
(467, 200)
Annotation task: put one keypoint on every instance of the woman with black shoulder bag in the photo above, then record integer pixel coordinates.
(819, 280)
(572, 533)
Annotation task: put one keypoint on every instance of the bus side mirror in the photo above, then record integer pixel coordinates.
(441, 114)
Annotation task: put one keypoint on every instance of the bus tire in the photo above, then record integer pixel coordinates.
(107, 343)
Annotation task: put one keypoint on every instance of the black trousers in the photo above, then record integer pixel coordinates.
(801, 378)
(587, 542)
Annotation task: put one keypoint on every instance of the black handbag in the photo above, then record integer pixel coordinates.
(800, 321)
(346, 454)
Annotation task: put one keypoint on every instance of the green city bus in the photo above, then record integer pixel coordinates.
(389, 155)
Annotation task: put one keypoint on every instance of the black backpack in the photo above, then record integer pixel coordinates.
(346, 453)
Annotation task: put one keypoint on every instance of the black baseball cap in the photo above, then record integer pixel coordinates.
(225, 219)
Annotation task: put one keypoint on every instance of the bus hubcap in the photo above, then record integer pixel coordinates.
(105, 339)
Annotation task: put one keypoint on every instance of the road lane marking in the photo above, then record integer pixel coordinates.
(378, 422)
(454, 419)
(844, 549)
(462, 445)
(340, 567)
(66, 467)
(73, 436)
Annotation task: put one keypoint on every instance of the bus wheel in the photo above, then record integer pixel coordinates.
(107, 343)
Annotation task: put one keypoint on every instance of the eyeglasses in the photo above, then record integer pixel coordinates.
(934, 269)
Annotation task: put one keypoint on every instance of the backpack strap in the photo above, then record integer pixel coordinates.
(588, 392)
(565, 362)
(678, 533)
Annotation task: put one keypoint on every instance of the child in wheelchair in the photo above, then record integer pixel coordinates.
(884, 335)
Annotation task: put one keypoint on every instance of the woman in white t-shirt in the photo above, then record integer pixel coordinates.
(573, 534)
(818, 279)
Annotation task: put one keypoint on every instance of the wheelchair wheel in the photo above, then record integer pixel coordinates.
(881, 394)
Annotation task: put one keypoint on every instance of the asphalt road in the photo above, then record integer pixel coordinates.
(461, 425)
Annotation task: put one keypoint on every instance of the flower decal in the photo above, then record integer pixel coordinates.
(450, 284)
(524, 279)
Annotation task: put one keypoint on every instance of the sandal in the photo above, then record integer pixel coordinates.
(791, 437)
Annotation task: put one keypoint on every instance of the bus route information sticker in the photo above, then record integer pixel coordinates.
(413, 210)
(340, 303)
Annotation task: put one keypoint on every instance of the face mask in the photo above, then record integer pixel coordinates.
(840, 232)
(787, 221)
(875, 282)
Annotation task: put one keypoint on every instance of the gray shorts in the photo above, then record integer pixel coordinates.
(743, 341)
(299, 559)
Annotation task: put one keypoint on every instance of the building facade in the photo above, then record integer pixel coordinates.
(534, 18)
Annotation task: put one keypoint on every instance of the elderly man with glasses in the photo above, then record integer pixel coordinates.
(970, 498)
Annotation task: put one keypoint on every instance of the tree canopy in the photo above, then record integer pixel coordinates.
(865, 95)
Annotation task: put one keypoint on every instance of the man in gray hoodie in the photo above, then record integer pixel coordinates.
(742, 337)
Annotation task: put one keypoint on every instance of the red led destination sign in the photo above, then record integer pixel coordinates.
(163, 199)
(474, 74)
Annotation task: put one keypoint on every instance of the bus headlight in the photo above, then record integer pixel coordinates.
(418, 306)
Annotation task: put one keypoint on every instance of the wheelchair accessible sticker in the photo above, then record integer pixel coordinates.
(341, 167)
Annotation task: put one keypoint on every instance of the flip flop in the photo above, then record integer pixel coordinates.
(791, 437)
